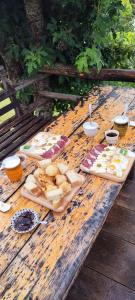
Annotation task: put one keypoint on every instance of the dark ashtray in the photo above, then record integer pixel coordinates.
(24, 220)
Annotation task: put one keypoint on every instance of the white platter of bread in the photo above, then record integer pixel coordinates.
(52, 185)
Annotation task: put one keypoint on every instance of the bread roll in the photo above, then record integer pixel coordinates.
(33, 189)
(54, 195)
(31, 178)
(60, 179)
(37, 191)
(38, 172)
(29, 186)
(50, 187)
(63, 168)
(52, 170)
(73, 178)
(44, 163)
(66, 187)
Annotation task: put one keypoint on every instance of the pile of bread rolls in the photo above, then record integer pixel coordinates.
(52, 180)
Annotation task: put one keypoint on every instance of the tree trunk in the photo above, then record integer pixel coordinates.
(35, 18)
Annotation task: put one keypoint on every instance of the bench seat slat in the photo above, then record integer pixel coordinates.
(18, 127)
(5, 127)
(19, 133)
(21, 139)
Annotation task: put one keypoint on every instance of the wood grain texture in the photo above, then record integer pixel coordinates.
(75, 154)
(91, 285)
(54, 257)
(68, 122)
(127, 196)
(15, 140)
(121, 222)
(55, 252)
(22, 203)
(114, 258)
(60, 96)
(104, 74)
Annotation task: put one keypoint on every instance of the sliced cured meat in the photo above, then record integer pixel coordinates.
(47, 154)
(93, 153)
(65, 138)
(100, 147)
(56, 149)
(97, 151)
(61, 143)
(86, 164)
(91, 157)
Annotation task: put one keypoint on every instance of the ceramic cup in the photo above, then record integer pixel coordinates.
(12, 167)
(90, 128)
(112, 136)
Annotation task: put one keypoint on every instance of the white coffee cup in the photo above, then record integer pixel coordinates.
(90, 128)
(112, 136)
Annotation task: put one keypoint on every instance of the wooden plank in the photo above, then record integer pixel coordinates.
(104, 74)
(16, 128)
(91, 285)
(55, 258)
(5, 128)
(60, 96)
(127, 196)
(61, 238)
(114, 258)
(7, 235)
(15, 135)
(68, 122)
(121, 222)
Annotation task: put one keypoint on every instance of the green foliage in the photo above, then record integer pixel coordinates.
(35, 58)
(88, 33)
(26, 95)
(89, 58)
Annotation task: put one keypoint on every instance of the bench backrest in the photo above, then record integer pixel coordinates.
(8, 102)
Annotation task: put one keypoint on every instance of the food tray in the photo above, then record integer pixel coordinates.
(45, 145)
(44, 202)
(131, 158)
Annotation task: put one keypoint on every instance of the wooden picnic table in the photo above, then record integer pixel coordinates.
(43, 264)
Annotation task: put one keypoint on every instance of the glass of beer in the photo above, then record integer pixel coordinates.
(12, 167)
(121, 124)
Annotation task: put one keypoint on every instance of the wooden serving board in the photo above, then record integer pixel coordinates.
(44, 202)
(113, 177)
(30, 152)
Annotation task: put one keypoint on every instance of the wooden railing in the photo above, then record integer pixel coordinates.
(93, 75)
(62, 70)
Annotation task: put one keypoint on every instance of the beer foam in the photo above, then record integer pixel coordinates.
(121, 120)
(11, 162)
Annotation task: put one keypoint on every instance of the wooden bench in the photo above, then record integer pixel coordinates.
(22, 125)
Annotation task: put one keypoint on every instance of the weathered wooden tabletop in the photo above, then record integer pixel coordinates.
(43, 264)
